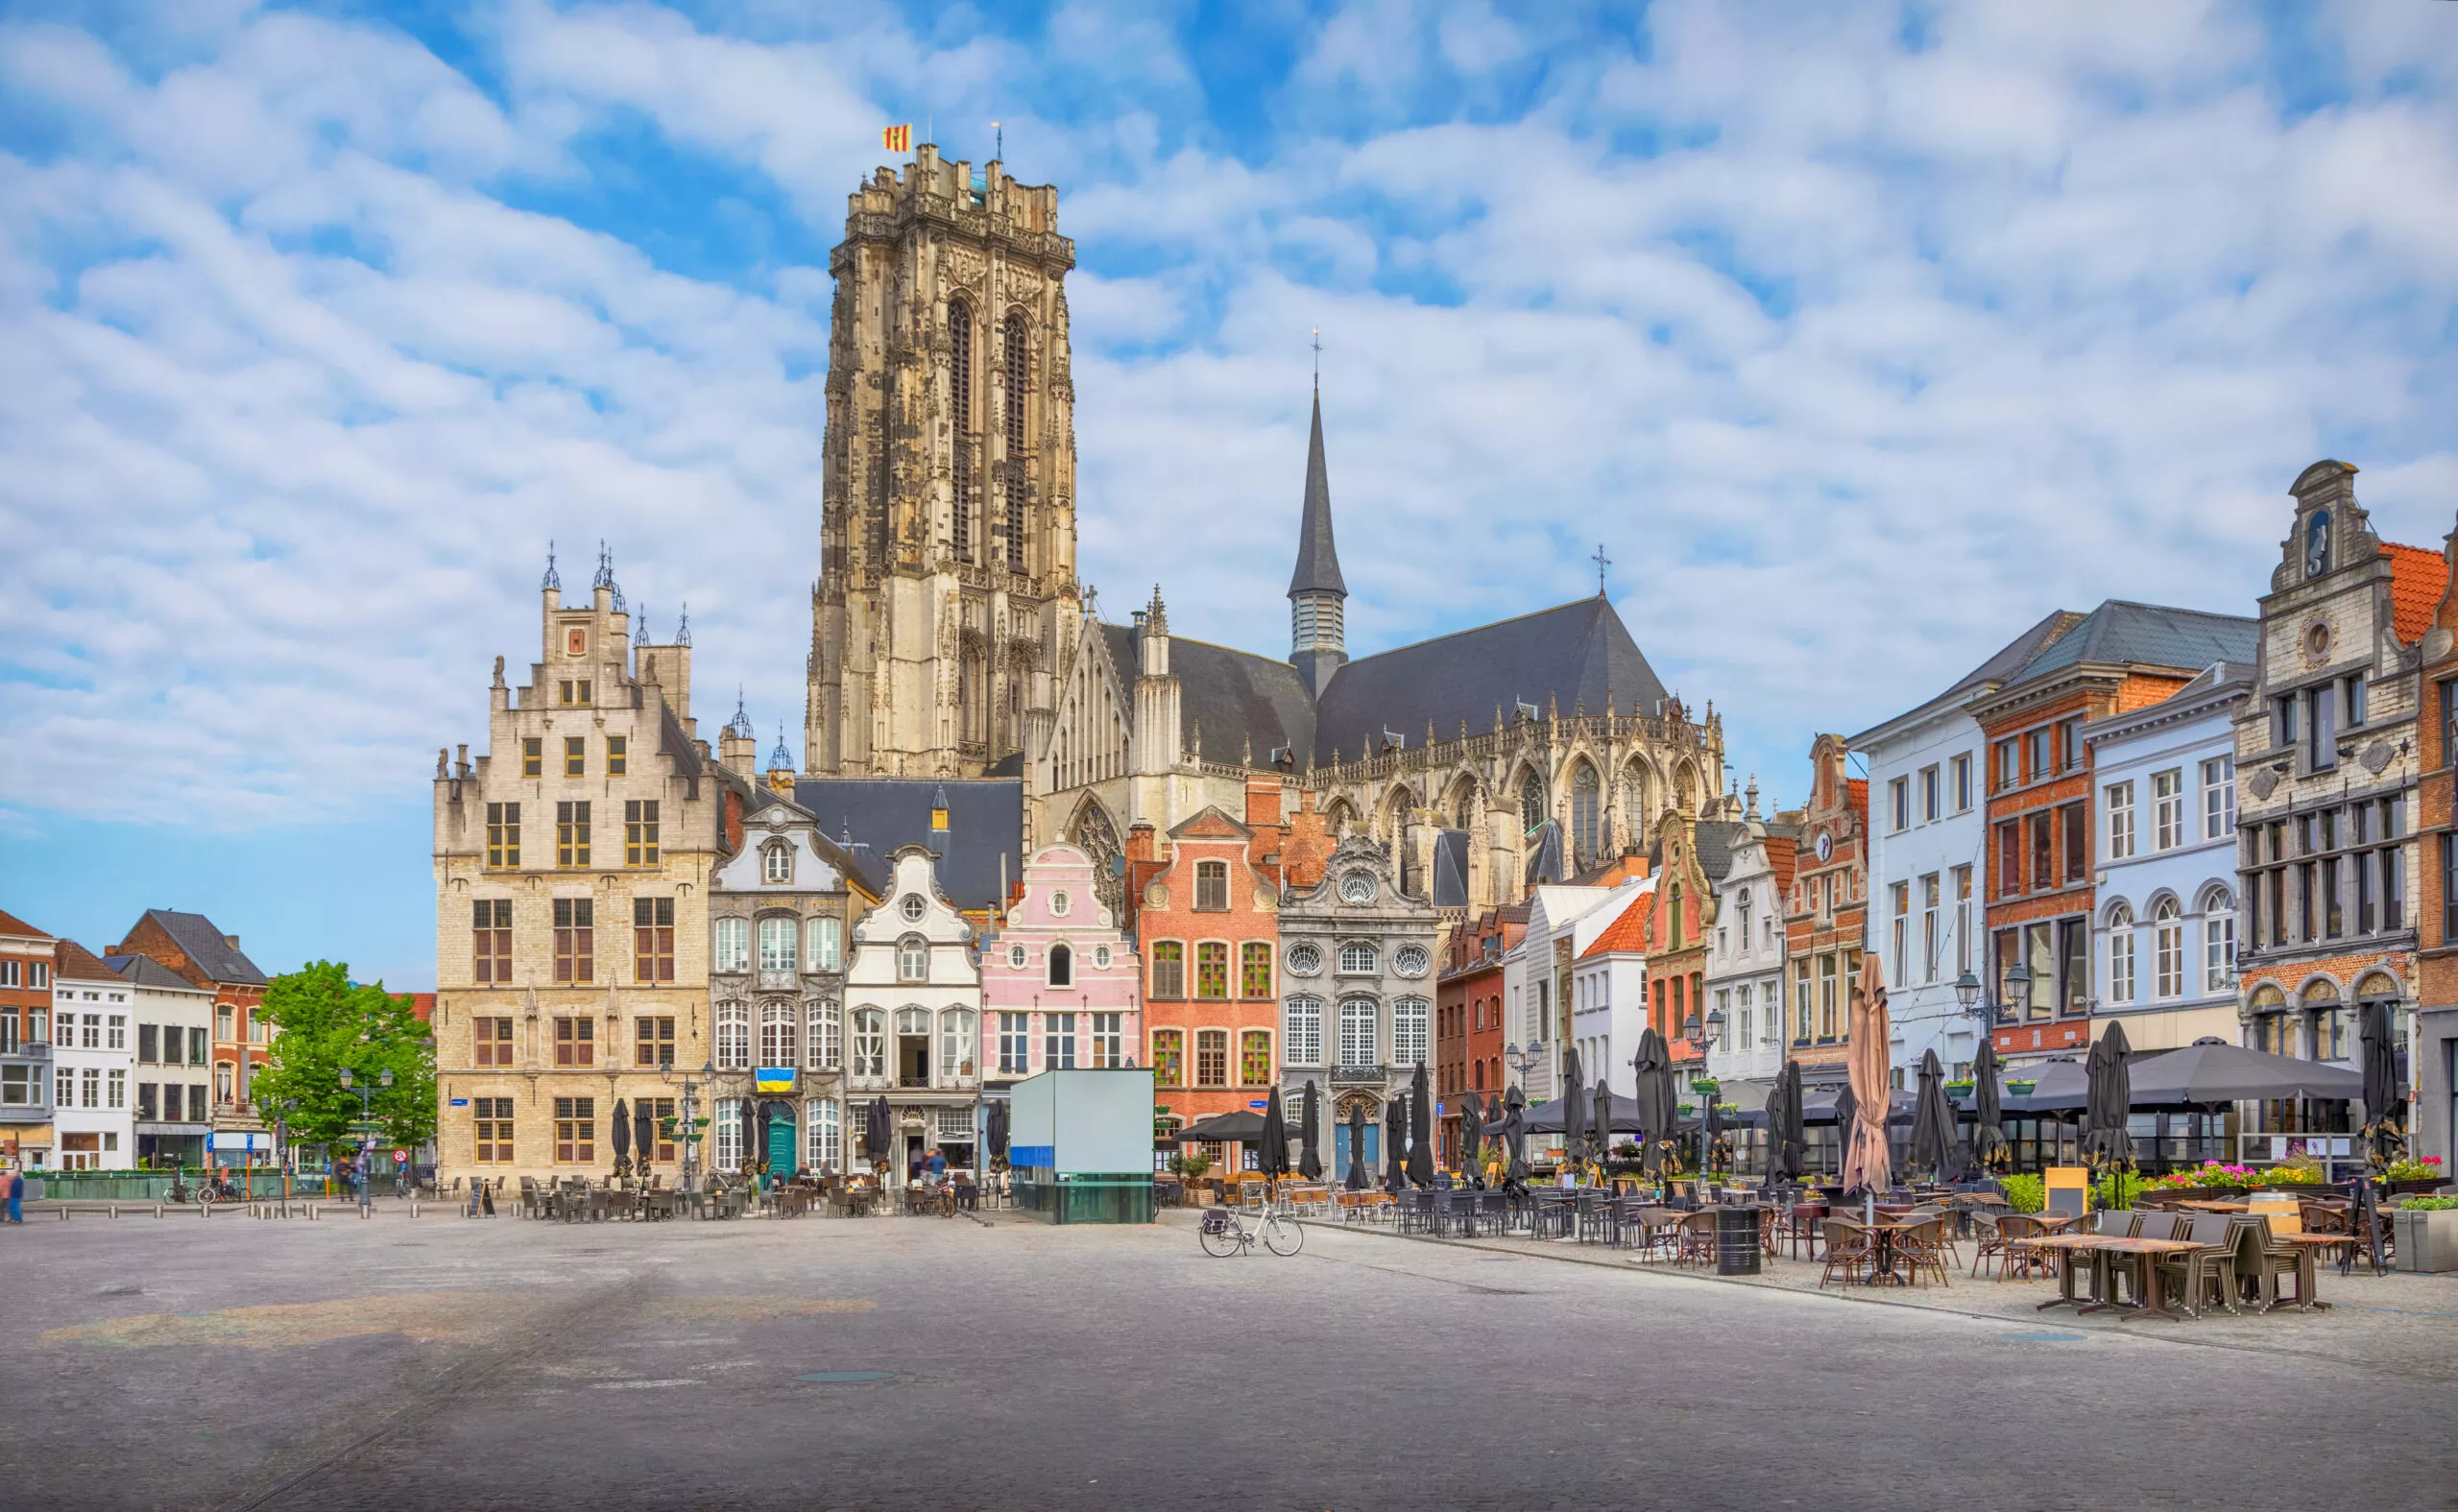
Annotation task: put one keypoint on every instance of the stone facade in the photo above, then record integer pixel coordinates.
(947, 590)
(782, 907)
(572, 864)
(2329, 762)
(1365, 949)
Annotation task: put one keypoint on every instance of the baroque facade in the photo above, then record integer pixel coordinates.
(947, 585)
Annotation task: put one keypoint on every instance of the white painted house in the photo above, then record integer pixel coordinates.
(93, 1056)
(913, 1011)
(1745, 976)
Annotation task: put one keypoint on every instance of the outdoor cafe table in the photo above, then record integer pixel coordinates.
(2097, 1247)
(2214, 1207)
(2308, 1251)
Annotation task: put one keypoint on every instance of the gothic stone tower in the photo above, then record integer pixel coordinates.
(947, 589)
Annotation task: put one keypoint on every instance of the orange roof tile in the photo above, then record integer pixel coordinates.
(74, 960)
(10, 923)
(1857, 797)
(1783, 851)
(1627, 933)
(2417, 578)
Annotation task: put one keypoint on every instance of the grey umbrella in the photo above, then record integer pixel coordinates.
(1357, 1179)
(1847, 1109)
(1796, 1137)
(1420, 1129)
(644, 1132)
(1711, 1128)
(2384, 1117)
(1600, 1121)
(994, 1138)
(1274, 1154)
(1989, 1150)
(1573, 1106)
(622, 1132)
(1472, 1138)
(1309, 1131)
(1514, 1138)
(1395, 1141)
(2106, 1142)
(1932, 1121)
(1658, 1109)
(875, 1131)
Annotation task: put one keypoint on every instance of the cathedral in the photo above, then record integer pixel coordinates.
(949, 636)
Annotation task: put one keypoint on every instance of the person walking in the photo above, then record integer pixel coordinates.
(17, 1195)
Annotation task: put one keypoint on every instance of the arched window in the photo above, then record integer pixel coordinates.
(1015, 479)
(1062, 965)
(870, 1042)
(734, 1036)
(825, 939)
(1361, 1043)
(820, 1040)
(2218, 939)
(777, 1035)
(912, 959)
(1676, 924)
(1532, 803)
(955, 1042)
(960, 401)
(733, 945)
(2167, 949)
(2120, 954)
(1587, 815)
(777, 862)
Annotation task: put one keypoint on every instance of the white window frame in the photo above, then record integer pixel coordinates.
(1301, 1034)
(733, 945)
(733, 1048)
(780, 943)
(1898, 804)
(825, 943)
(2219, 797)
(2168, 950)
(824, 1118)
(2120, 933)
(823, 1035)
(1357, 958)
(1411, 1034)
(2218, 942)
(1361, 1031)
(2168, 809)
(2118, 800)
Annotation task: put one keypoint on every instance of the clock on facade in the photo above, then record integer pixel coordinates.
(1825, 847)
(1305, 960)
(1357, 887)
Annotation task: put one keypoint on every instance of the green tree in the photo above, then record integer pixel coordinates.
(323, 1022)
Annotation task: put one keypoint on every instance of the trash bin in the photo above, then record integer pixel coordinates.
(1737, 1241)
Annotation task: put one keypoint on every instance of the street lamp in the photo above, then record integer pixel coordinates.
(281, 1140)
(687, 1128)
(1522, 1060)
(366, 1136)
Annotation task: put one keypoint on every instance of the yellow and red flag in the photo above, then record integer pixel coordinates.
(898, 138)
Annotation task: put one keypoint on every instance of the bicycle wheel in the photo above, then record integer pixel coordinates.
(204, 1196)
(1219, 1242)
(1283, 1238)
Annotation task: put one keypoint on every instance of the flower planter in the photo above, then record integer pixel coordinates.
(2021, 1088)
(2428, 1240)
(2415, 1188)
(1958, 1088)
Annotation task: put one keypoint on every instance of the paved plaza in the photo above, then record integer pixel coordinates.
(440, 1362)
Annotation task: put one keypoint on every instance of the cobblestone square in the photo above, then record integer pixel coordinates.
(441, 1363)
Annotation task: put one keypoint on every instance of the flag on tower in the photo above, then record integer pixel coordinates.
(898, 138)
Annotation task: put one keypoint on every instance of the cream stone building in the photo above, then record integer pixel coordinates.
(572, 859)
(947, 587)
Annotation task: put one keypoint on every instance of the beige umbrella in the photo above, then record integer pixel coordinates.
(1866, 1165)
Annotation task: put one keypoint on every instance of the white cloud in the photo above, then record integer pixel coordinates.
(1865, 359)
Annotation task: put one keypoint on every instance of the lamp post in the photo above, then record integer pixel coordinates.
(1701, 1033)
(366, 1136)
(281, 1140)
(1523, 1061)
(689, 1124)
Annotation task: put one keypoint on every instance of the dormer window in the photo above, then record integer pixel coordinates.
(777, 863)
(1062, 965)
(2317, 544)
(912, 959)
(1211, 886)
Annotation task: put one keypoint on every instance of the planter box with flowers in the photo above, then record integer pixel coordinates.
(2415, 1177)
(1959, 1090)
(2425, 1229)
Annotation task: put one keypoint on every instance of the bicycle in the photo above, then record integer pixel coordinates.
(1223, 1233)
(209, 1191)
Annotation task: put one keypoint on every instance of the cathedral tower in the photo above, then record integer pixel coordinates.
(1319, 642)
(947, 589)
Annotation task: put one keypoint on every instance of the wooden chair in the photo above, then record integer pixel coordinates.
(1851, 1252)
(2007, 1245)
(2263, 1259)
(1925, 1247)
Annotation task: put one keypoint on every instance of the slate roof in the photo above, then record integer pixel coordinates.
(985, 826)
(1451, 869)
(1231, 697)
(1711, 841)
(2148, 635)
(673, 740)
(1577, 652)
(2417, 577)
(205, 946)
(867, 870)
(1318, 561)
(143, 971)
(1548, 859)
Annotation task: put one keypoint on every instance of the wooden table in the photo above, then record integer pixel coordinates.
(2150, 1293)
(2066, 1246)
(2308, 1249)
(2213, 1207)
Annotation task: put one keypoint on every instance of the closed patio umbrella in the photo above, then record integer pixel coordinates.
(1784, 1127)
(644, 1132)
(1310, 1132)
(875, 1131)
(2105, 1144)
(1274, 1154)
(1420, 1129)
(1357, 1179)
(1657, 1109)
(1514, 1138)
(995, 1136)
(1868, 1165)
(1600, 1121)
(1933, 1120)
(623, 1133)
(1989, 1150)
(2385, 1104)
(1472, 1138)
(1573, 1106)
(1395, 1141)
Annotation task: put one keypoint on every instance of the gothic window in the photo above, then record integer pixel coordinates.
(1096, 837)
(1015, 344)
(1587, 815)
(960, 396)
(973, 694)
(1531, 802)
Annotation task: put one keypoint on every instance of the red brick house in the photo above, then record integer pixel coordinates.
(191, 945)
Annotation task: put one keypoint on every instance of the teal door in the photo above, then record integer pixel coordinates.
(780, 1143)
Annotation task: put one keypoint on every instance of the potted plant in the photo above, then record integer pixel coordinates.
(1703, 1086)
(1190, 1165)
(1687, 1109)
(2021, 1087)
(2425, 1231)
(2414, 1176)
(1959, 1090)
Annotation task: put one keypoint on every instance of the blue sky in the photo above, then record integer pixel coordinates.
(1861, 336)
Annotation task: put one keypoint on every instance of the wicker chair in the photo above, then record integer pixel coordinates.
(2004, 1244)
(1851, 1252)
(1926, 1248)
(1696, 1236)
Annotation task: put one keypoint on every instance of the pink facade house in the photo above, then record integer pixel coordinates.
(1061, 988)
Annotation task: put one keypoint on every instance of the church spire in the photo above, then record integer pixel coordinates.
(1319, 642)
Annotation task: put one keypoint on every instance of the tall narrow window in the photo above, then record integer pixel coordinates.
(2167, 951)
(617, 755)
(1928, 929)
(653, 1040)
(1212, 970)
(653, 939)
(2218, 942)
(1254, 970)
(2168, 810)
(1254, 1057)
(777, 940)
(870, 1042)
(490, 1129)
(1169, 1056)
(1411, 1020)
(575, 1131)
(1211, 886)
(733, 940)
(533, 758)
(1062, 965)
(575, 939)
(1302, 1031)
(572, 834)
(1212, 1058)
(1058, 1042)
(960, 403)
(777, 1037)
(2120, 796)
(1588, 816)
(1361, 1042)
(734, 1036)
(1015, 480)
(2218, 798)
(575, 757)
(490, 942)
(826, 945)
(1532, 803)
(821, 1038)
(503, 834)
(1901, 895)
(639, 831)
(1169, 968)
(576, 1041)
(1106, 1040)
